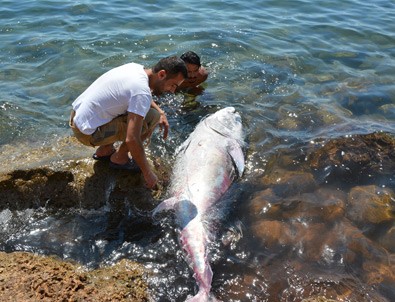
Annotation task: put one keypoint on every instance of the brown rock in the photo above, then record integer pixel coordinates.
(28, 277)
(376, 272)
(355, 159)
(371, 204)
(322, 205)
(388, 239)
(82, 183)
(265, 204)
(272, 233)
(289, 183)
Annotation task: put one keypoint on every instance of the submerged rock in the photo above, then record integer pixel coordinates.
(289, 183)
(323, 204)
(331, 207)
(371, 204)
(388, 239)
(357, 159)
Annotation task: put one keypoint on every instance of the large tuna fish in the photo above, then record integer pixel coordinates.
(206, 165)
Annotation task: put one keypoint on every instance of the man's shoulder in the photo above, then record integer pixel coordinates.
(127, 68)
(203, 70)
(202, 76)
(133, 73)
(132, 65)
(203, 73)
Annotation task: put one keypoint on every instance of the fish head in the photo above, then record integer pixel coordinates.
(226, 122)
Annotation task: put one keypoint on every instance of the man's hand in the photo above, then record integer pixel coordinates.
(164, 124)
(151, 179)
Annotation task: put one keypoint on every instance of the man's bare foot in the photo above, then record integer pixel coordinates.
(104, 152)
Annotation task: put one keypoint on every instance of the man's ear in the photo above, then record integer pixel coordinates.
(162, 74)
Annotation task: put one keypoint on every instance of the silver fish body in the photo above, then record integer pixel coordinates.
(206, 165)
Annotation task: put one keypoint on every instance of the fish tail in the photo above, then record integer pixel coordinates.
(201, 296)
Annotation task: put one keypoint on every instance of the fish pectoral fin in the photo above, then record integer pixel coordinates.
(165, 205)
(237, 156)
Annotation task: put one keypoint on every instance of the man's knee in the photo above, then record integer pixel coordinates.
(150, 121)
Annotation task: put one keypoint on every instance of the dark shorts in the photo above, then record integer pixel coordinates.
(115, 130)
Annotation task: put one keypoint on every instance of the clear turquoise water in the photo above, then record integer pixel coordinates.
(262, 55)
(295, 70)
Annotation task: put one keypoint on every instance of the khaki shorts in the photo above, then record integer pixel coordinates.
(115, 130)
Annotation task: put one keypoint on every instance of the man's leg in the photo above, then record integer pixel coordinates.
(106, 135)
(115, 130)
(150, 123)
(121, 156)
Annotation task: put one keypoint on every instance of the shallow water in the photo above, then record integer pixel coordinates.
(299, 72)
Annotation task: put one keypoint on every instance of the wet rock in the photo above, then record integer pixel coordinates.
(318, 299)
(377, 273)
(75, 183)
(265, 204)
(36, 188)
(360, 103)
(371, 204)
(324, 204)
(28, 277)
(332, 209)
(367, 258)
(289, 183)
(337, 244)
(357, 159)
(272, 233)
(309, 241)
(236, 288)
(387, 240)
(315, 286)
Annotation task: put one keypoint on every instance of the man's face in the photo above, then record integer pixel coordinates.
(165, 84)
(193, 70)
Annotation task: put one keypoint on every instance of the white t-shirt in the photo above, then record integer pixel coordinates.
(118, 91)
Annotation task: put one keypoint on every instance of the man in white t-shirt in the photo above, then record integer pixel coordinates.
(118, 106)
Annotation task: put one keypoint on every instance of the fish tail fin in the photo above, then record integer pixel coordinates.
(203, 296)
(200, 297)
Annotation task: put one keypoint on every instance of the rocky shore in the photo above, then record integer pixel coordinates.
(29, 277)
(82, 183)
(332, 206)
(329, 205)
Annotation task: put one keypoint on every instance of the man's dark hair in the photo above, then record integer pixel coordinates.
(173, 66)
(190, 57)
